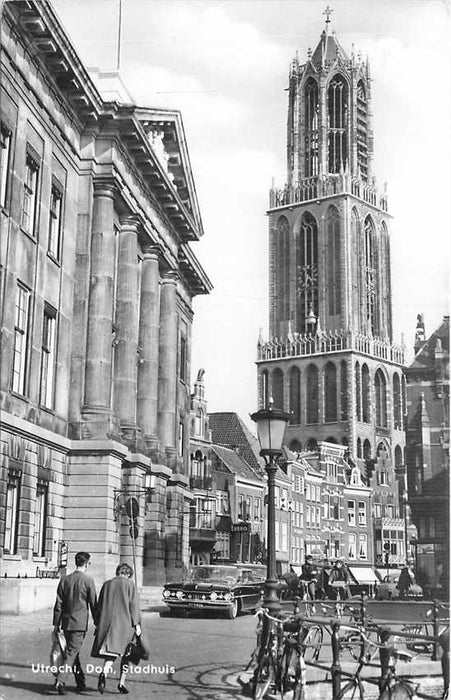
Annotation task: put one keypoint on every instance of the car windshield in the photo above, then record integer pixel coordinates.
(227, 574)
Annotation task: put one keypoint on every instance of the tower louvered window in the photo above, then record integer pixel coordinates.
(371, 286)
(337, 112)
(312, 394)
(333, 240)
(311, 128)
(277, 388)
(330, 392)
(362, 131)
(306, 271)
(282, 282)
(295, 396)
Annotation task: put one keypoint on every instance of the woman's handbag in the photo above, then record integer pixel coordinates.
(135, 651)
(58, 650)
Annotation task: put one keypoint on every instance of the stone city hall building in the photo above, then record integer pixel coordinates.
(98, 212)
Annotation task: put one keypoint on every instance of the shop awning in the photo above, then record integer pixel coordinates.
(363, 575)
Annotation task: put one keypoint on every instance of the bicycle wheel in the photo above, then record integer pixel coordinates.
(264, 677)
(312, 642)
(352, 690)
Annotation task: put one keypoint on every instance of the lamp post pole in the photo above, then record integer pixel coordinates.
(271, 599)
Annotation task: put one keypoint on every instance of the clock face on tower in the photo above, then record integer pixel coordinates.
(307, 278)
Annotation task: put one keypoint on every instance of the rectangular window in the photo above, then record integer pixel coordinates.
(12, 512)
(181, 438)
(5, 149)
(30, 195)
(363, 546)
(222, 502)
(183, 357)
(378, 510)
(362, 513)
(352, 546)
(48, 358)
(351, 512)
(56, 200)
(241, 508)
(40, 519)
(308, 493)
(390, 511)
(248, 511)
(301, 515)
(284, 543)
(222, 545)
(307, 516)
(257, 508)
(21, 333)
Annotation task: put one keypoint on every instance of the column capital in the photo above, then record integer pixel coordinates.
(170, 277)
(130, 223)
(104, 188)
(151, 250)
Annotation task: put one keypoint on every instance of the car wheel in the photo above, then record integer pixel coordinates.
(232, 612)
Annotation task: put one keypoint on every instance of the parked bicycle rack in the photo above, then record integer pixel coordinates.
(388, 634)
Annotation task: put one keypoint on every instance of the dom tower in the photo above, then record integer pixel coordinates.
(330, 360)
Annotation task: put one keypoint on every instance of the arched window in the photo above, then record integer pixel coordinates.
(380, 388)
(358, 392)
(311, 127)
(366, 394)
(371, 281)
(333, 260)
(311, 445)
(330, 392)
(264, 386)
(367, 450)
(306, 271)
(344, 389)
(337, 113)
(282, 278)
(295, 396)
(385, 283)
(345, 441)
(362, 130)
(397, 418)
(277, 388)
(359, 447)
(357, 271)
(312, 394)
(332, 439)
(295, 446)
(199, 422)
(398, 457)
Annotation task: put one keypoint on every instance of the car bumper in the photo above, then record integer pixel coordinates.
(198, 604)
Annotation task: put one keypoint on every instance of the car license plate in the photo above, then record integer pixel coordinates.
(195, 605)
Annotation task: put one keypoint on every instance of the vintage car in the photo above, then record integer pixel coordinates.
(227, 589)
(387, 590)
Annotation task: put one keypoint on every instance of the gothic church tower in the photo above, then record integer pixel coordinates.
(330, 359)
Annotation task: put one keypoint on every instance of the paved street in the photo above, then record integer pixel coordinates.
(196, 658)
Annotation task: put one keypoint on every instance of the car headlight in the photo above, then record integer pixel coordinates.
(179, 594)
(227, 596)
(213, 596)
(166, 594)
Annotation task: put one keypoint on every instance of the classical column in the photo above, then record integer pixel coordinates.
(149, 329)
(167, 375)
(126, 321)
(100, 309)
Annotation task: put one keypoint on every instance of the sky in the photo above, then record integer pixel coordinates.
(224, 64)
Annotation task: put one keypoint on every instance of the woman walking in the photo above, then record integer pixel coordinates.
(119, 620)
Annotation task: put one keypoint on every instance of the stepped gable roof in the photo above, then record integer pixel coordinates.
(427, 354)
(330, 48)
(235, 463)
(228, 429)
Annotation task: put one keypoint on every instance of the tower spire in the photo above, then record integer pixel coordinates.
(328, 11)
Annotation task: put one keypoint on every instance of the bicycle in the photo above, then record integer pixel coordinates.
(391, 686)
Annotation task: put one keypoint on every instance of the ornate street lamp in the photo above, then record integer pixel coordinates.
(271, 423)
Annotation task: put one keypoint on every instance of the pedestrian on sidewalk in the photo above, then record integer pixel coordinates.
(406, 580)
(75, 596)
(119, 620)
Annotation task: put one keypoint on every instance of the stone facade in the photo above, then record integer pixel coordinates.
(98, 212)
(427, 453)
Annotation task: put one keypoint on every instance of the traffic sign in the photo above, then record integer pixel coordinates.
(132, 508)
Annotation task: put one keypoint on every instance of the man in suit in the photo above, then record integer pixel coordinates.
(76, 594)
